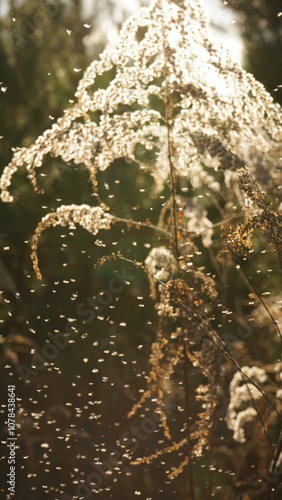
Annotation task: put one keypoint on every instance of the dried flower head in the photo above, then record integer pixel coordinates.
(242, 393)
(91, 218)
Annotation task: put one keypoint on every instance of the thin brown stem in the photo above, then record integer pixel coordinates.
(210, 334)
(135, 223)
(256, 292)
(278, 451)
(173, 175)
(187, 409)
(173, 181)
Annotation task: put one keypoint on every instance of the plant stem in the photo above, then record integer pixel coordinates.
(278, 451)
(170, 148)
(187, 407)
(143, 224)
(173, 179)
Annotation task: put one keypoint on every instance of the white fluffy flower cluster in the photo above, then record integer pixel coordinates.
(175, 103)
(199, 223)
(241, 394)
(93, 219)
(163, 52)
(161, 263)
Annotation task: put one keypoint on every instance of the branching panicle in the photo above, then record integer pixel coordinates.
(178, 109)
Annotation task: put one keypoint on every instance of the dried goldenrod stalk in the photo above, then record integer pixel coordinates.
(207, 113)
(218, 108)
(163, 360)
(259, 215)
(193, 113)
(168, 449)
(91, 218)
